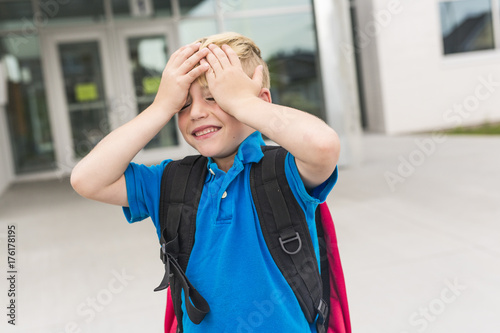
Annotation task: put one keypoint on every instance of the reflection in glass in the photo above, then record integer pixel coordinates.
(466, 25)
(291, 54)
(13, 14)
(122, 9)
(241, 5)
(26, 108)
(198, 7)
(191, 30)
(148, 57)
(72, 11)
(85, 95)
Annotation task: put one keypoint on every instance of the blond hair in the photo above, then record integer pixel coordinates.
(245, 48)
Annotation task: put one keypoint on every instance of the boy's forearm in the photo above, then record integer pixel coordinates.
(109, 159)
(308, 138)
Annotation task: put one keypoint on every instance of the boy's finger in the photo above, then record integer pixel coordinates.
(203, 62)
(232, 55)
(196, 72)
(220, 54)
(194, 59)
(214, 62)
(184, 53)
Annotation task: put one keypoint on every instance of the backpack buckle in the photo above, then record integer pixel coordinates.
(286, 241)
(166, 261)
(322, 314)
(163, 254)
(322, 311)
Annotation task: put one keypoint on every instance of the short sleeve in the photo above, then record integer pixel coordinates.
(308, 201)
(143, 191)
(318, 194)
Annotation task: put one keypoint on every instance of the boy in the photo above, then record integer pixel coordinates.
(219, 88)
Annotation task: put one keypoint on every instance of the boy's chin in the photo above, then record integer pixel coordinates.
(216, 154)
(207, 151)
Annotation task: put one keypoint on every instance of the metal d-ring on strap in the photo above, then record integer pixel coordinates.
(301, 257)
(286, 241)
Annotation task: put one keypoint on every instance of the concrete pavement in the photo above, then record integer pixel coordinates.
(418, 222)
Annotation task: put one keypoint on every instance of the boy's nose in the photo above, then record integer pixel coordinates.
(198, 111)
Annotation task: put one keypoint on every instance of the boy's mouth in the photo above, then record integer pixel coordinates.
(201, 131)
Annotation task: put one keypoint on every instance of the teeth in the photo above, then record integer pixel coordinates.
(206, 131)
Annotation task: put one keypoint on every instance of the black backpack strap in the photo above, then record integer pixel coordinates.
(181, 187)
(325, 272)
(286, 233)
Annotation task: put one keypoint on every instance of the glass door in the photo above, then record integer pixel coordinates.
(84, 92)
(81, 91)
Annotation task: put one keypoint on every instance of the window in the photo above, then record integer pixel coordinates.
(241, 5)
(467, 25)
(72, 11)
(197, 7)
(192, 29)
(291, 51)
(123, 9)
(291, 54)
(14, 13)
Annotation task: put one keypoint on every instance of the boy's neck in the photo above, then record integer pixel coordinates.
(225, 163)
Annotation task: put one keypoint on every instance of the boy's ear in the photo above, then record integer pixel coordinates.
(265, 95)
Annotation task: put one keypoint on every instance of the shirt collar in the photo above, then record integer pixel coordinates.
(249, 151)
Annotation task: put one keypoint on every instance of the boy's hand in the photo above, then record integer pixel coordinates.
(178, 75)
(229, 84)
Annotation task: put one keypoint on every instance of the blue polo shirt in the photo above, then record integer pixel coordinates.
(230, 264)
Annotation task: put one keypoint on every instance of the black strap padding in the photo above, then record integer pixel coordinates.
(281, 219)
(181, 187)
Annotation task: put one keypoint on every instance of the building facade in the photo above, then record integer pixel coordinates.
(73, 70)
(428, 65)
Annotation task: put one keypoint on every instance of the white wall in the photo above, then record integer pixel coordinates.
(420, 89)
